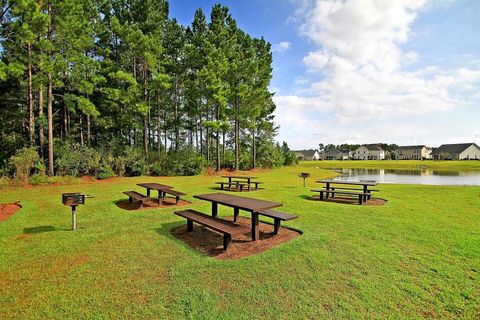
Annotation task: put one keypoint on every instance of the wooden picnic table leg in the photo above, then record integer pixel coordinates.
(148, 192)
(160, 197)
(214, 209)
(189, 225)
(276, 226)
(248, 182)
(255, 228)
(328, 188)
(365, 188)
(236, 211)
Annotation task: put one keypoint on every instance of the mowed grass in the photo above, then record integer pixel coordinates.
(416, 257)
(396, 164)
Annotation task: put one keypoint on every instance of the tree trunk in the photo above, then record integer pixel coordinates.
(217, 168)
(50, 101)
(81, 130)
(41, 134)
(31, 115)
(89, 134)
(50, 124)
(146, 121)
(159, 127)
(175, 101)
(254, 149)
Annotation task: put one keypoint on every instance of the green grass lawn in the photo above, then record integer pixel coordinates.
(395, 164)
(416, 257)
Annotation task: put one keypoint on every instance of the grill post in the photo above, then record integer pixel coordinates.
(74, 217)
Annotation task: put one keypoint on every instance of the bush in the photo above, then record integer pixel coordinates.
(105, 172)
(4, 182)
(135, 164)
(193, 166)
(38, 179)
(24, 162)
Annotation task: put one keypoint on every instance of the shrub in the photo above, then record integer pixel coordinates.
(135, 164)
(4, 182)
(105, 172)
(38, 179)
(24, 163)
(192, 166)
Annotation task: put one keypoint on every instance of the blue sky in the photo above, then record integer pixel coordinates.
(366, 71)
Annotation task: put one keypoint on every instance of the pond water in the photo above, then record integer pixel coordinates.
(411, 176)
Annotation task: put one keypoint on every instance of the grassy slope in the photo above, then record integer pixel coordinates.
(396, 164)
(418, 256)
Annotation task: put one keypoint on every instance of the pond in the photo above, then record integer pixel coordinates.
(411, 176)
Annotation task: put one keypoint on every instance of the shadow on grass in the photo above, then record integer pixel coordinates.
(165, 230)
(306, 197)
(39, 229)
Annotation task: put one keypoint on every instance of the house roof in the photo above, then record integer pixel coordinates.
(411, 147)
(453, 148)
(334, 152)
(306, 153)
(371, 147)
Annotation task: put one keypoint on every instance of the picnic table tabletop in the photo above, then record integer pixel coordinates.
(239, 177)
(154, 186)
(357, 183)
(254, 206)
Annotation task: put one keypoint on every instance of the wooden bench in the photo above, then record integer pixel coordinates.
(278, 217)
(256, 184)
(227, 228)
(236, 184)
(137, 196)
(369, 191)
(175, 193)
(360, 195)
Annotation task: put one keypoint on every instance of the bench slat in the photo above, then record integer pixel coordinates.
(136, 195)
(216, 224)
(343, 192)
(174, 192)
(278, 215)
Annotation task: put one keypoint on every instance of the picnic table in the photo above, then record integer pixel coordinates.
(155, 186)
(365, 184)
(254, 206)
(240, 181)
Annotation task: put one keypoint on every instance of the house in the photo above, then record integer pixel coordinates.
(369, 152)
(335, 154)
(307, 154)
(419, 152)
(459, 151)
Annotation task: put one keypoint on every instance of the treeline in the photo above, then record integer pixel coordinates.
(120, 77)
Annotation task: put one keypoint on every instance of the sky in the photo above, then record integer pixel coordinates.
(367, 71)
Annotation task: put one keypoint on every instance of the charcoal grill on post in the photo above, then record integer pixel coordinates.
(73, 200)
(304, 175)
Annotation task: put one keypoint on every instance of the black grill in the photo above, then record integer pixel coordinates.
(73, 199)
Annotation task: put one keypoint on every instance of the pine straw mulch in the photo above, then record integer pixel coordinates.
(354, 201)
(168, 202)
(210, 243)
(7, 210)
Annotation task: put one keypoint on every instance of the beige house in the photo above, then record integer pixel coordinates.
(335, 154)
(413, 152)
(369, 152)
(459, 151)
(311, 154)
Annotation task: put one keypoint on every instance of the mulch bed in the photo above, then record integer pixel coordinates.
(354, 201)
(7, 210)
(211, 243)
(168, 202)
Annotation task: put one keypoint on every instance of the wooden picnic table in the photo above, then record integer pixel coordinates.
(155, 186)
(248, 178)
(254, 206)
(364, 184)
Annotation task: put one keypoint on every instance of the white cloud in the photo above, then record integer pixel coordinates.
(282, 46)
(363, 67)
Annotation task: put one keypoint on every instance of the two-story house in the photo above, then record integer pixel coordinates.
(419, 152)
(369, 152)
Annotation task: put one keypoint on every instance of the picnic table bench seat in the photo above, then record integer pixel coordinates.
(369, 191)
(278, 217)
(227, 228)
(137, 196)
(236, 184)
(361, 195)
(175, 193)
